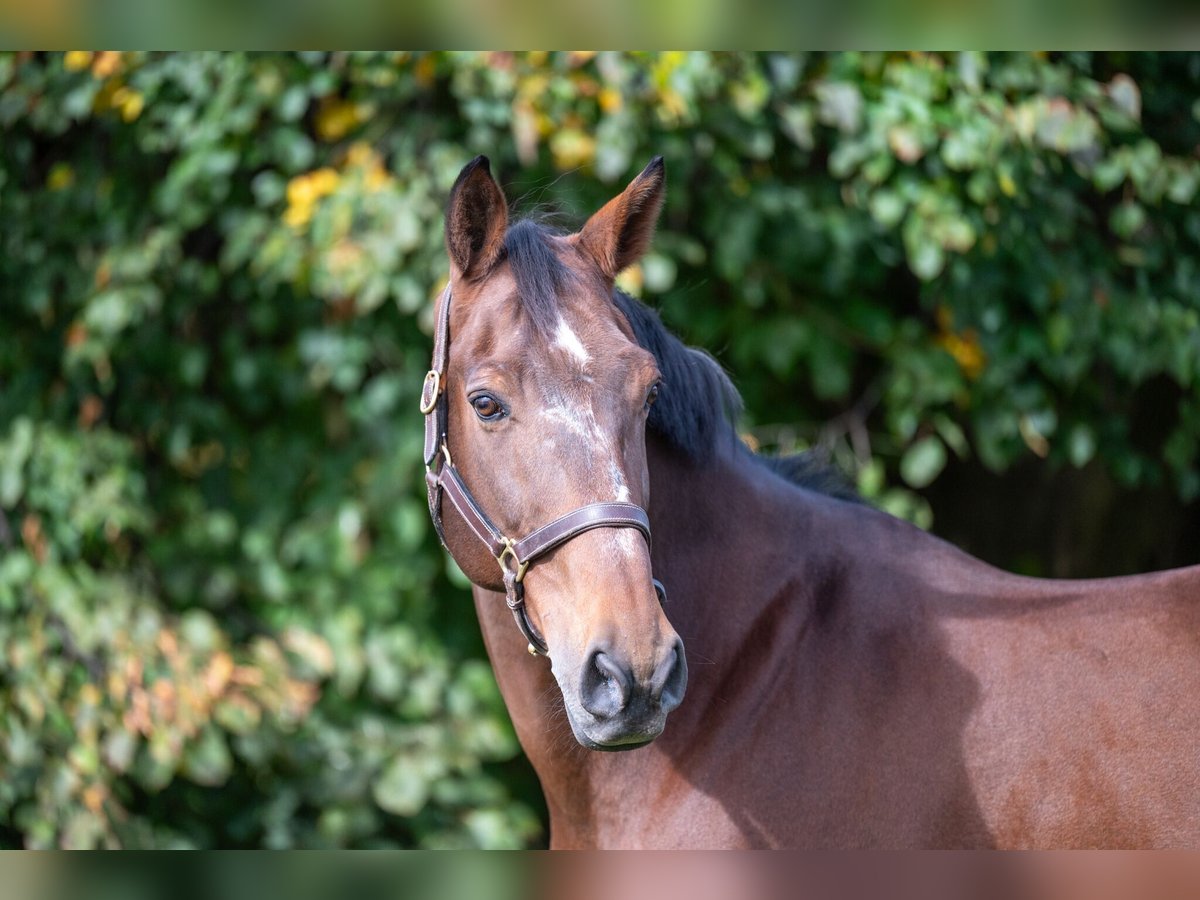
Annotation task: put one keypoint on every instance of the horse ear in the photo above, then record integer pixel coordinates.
(620, 232)
(476, 219)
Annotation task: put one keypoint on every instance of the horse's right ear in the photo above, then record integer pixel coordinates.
(476, 219)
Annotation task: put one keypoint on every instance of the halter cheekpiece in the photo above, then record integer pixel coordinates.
(442, 478)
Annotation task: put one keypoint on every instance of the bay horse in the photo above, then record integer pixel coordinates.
(848, 681)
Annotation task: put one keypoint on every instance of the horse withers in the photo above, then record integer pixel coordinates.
(853, 680)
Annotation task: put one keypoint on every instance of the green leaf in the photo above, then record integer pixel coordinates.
(887, 208)
(14, 452)
(1127, 219)
(403, 786)
(952, 434)
(923, 461)
(927, 260)
(1081, 445)
(207, 760)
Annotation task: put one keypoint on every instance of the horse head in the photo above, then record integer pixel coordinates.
(545, 395)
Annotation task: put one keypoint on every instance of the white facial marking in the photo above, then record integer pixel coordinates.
(567, 340)
(625, 542)
(581, 422)
(618, 479)
(578, 422)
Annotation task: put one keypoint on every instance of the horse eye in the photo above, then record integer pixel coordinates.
(487, 407)
(652, 396)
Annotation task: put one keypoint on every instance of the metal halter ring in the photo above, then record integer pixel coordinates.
(427, 406)
(509, 553)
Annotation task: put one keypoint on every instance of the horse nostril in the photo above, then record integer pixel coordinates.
(670, 679)
(606, 686)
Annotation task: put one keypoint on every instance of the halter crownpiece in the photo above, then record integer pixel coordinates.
(442, 478)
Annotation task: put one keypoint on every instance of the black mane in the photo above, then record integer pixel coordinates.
(698, 406)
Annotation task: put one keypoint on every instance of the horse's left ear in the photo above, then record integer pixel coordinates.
(618, 235)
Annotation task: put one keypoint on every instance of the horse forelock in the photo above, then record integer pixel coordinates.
(539, 271)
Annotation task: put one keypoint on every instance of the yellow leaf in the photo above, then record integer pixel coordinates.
(361, 154)
(304, 191)
(377, 178)
(299, 190)
(61, 176)
(107, 63)
(77, 60)
(966, 350)
(425, 71)
(217, 673)
(631, 280)
(572, 148)
(324, 181)
(297, 215)
(611, 100)
(93, 797)
(128, 101)
(132, 106)
(672, 105)
(336, 118)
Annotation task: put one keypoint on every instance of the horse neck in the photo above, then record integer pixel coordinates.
(734, 545)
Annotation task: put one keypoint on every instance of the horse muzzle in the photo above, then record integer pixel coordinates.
(615, 709)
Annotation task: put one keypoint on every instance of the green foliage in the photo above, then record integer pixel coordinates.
(226, 620)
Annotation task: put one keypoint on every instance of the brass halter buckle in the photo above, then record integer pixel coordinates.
(509, 553)
(434, 376)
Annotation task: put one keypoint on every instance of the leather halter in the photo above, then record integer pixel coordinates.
(442, 478)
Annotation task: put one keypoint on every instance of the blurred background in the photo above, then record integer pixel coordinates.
(973, 281)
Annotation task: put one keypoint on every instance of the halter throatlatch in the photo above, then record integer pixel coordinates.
(442, 479)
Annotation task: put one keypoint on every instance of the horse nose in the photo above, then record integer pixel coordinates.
(669, 681)
(609, 684)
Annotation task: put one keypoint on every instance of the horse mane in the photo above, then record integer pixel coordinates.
(698, 406)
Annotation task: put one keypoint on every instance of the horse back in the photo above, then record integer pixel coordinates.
(1085, 728)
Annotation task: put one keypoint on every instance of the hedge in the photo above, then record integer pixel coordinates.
(225, 618)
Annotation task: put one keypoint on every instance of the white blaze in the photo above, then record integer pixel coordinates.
(581, 421)
(618, 479)
(567, 340)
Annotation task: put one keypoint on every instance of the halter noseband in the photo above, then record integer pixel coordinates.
(514, 556)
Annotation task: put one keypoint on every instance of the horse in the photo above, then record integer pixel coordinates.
(833, 676)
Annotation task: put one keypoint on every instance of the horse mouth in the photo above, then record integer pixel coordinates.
(613, 737)
(616, 746)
